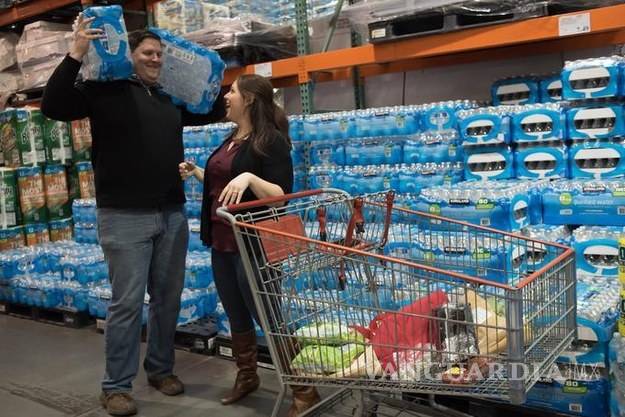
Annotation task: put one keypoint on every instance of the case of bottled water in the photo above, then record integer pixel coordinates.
(329, 126)
(387, 121)
(433, 148)
(373, 151)
(515, 91)
(585, 202)
(191, 74)
(485, 126)
(538, 122)
(596, 249)
(414, 177)
(593, 78)
(541, 160)
(574, 389)
(550, 89)
(596, 122)
(195, 242)
(108, 58)
(84, 210)
(298, 154)
(479, 203)
(324, 176)
(441, 117)
(327, 153)
(198, 272)
(536, 253)
(191, 306)
(598, 159)
(488, 163)
(296, 129)
(193, 209)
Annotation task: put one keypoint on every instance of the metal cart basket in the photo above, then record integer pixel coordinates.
(356, 292)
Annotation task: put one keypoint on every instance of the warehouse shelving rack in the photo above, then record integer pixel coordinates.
(606, 26)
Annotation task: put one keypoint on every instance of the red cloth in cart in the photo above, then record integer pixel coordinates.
(393, 332)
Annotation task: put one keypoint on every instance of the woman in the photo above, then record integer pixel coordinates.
(253, 163)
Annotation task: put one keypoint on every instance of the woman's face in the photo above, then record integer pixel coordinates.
(236, 105)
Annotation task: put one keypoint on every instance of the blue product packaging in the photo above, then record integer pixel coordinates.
(584, 202)
(108, 58)
(329, 126)
(598, 159)
(592, 78)
(550, 89)
(432, 148)
(488, 163)
(596, 249)
(441, 117)
(371, 151)
(515, 91)
(538, 122)
(576, 390)
(324, 177)
(327, 153)
(599, 122)
(387, 121)
(295, 128)
(191, 74)
(538, 161)
(484, 126)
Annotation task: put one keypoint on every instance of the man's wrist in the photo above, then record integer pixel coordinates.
(76, 56)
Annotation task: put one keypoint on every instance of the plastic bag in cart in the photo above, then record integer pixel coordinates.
(392, 332)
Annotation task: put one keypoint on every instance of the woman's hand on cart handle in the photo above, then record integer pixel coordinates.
(233, 192)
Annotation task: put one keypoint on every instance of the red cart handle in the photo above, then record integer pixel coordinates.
(233, 208)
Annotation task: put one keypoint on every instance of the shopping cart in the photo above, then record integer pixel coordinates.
(356, 292)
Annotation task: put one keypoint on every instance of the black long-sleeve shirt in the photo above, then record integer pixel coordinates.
(136, 132)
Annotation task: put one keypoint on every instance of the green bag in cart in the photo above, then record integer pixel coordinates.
(57, 142)
(29, 132)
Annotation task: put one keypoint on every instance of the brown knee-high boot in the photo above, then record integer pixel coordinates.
(304, 397)
(245, 353)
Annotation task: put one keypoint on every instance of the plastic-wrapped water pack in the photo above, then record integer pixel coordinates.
(191, 74)
(108, 58)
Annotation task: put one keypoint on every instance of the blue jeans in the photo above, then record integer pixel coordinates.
(143, 248)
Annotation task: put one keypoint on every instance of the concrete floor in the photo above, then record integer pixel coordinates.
(52, 371)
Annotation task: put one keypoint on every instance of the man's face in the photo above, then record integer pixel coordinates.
(147, 60)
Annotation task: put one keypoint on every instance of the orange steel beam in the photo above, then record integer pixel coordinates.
(31, 8)
(530, 36)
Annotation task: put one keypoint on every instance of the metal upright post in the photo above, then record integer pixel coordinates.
(303, 48)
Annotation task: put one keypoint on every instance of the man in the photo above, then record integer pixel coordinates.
(137, 146)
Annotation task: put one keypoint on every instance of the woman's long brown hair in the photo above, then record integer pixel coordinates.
(266, 116)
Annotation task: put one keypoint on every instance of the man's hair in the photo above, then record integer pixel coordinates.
(137, 36)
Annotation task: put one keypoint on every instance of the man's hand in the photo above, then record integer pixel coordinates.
(82, 36)
(186, 169)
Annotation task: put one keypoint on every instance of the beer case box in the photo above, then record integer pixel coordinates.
(10, 213)
(81, 139)
(8, 139)
(86, 181)
(61, 229)
(57, 142)
(12, 238)
(32, 195)
(57, 194)
(29, 132)
(36, 234)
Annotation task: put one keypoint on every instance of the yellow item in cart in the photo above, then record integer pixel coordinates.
(621, 260)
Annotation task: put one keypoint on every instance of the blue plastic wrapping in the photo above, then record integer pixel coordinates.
(108, 58)
(191, 74)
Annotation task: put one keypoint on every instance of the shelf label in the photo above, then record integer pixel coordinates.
(574, 24)
(264, 69)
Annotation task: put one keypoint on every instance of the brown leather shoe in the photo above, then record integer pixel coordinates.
(304, 397)
(170, 385)
(118, 404)
(245, 353)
